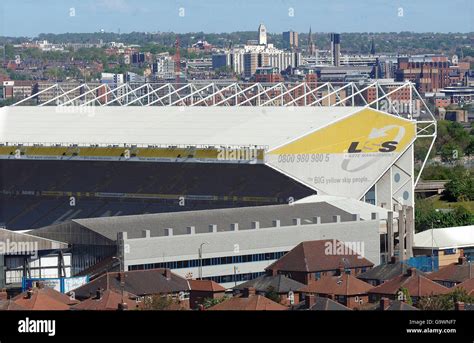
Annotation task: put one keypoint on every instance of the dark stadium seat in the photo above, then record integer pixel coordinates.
(36, 193)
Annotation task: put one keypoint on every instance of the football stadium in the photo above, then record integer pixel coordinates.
(131, 150)
(175, 152)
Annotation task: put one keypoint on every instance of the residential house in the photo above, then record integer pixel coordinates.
(343, 288)
(109, 300)
(415, 283)
(248, 301)
(43, 298)
(454, 274)
(315, 303)
(142, 283)
(280, 284)
(311, 260)
(384, 272)
(200, 290)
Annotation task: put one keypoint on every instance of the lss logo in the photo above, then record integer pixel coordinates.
(388, 146)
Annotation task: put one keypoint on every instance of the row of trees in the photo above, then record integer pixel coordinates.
(452, 143)
(427, 216)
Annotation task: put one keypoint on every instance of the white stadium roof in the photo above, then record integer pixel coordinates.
(227, 126)
(447, 238)
(349, 205)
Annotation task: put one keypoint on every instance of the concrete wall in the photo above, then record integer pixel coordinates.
(260, 240)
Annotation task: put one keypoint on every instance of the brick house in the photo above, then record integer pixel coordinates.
(204, 289)
(344, 288)
(453, 274)
(416, 284)
(311, 260)
(285, 287)
(142, 283)
(248, 301)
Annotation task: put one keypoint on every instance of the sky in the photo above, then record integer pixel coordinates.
(31, 17)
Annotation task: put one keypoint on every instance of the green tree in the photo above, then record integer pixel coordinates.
(209, 302)
(445, 302)
(271, 294)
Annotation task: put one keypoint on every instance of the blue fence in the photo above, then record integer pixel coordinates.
(424, 263)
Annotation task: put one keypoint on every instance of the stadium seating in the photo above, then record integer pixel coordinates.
(37, 193)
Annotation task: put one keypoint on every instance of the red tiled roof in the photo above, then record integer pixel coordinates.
(205, 286)
(251, 303)
(455, 272)
(139, 282)
(338, 285)
(109, 301)
(416, 284)
(44, 298)
(10, 305)
(468, 285)
(311, 256)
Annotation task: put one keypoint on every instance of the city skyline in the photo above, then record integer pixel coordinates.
(211, 16)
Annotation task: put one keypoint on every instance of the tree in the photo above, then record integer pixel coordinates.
(271, 294)
(209, 302)
(454, 189)
(427, 216)
(404, 295)
(445, 302)
(157, 302)
(460, 188)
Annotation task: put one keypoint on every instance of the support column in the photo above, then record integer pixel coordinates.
(410, 229)
(390, 236)
(401, 234)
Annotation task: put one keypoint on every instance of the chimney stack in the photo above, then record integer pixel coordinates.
(411, 271)
(122, 306)
(29, 293)
(98, 293)
(310, 300)
(121, 277)
(462, 260)
(384, 303)
(249, 291)
(167, 273)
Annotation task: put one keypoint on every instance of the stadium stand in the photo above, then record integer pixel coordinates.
(37, 193)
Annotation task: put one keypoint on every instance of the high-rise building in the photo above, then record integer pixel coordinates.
(290, 40)
(336, 48)
(262, 35)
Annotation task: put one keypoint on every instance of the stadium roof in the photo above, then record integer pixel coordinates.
(349, 205)
(179, 221)
(447, 238)
(176, 125)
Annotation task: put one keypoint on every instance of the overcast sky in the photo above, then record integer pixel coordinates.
(31, 17)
